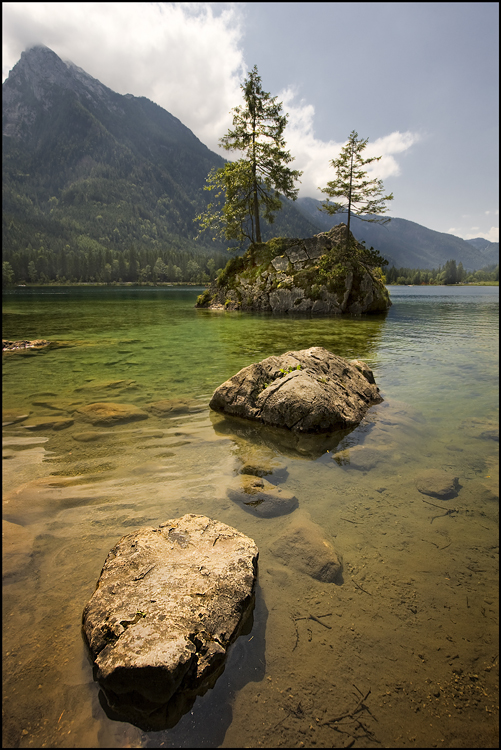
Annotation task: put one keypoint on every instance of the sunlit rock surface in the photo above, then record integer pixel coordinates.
(311, 390)
(169, 602)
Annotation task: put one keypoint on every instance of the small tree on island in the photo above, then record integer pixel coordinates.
(258, 179)
(363, 198)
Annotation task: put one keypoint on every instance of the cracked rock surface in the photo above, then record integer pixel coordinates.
(311, 390)
(168, 603)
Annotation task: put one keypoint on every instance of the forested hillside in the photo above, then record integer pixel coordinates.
(100, 187)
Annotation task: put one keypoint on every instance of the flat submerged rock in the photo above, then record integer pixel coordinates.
(169, 602)
(260, 497)
(437, 483)
(107, 413)
(304, 546)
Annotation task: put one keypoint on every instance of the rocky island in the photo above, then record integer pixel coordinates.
(313, 275)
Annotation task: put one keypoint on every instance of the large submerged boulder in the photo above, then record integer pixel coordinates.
(311, 390)
(304, 546)
(437, 483)
(169, 602)
(312, 275)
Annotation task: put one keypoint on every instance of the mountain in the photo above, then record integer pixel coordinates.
(484, 245)
(89, 174)
(99, 186)
(407, 244)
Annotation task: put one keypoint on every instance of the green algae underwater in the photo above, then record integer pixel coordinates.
(410, 657)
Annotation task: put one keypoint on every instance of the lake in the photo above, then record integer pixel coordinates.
(409, 657)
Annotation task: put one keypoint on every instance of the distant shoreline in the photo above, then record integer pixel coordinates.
(134, 284)
(128, 284)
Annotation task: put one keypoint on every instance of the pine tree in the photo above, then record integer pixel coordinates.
(258, 179)
(362, 197)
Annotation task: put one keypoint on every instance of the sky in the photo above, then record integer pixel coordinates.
(419, 80)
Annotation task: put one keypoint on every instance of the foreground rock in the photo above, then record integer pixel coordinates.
(311, 390)
(437, 483)
(311, 276)
(169, 602)
(305, 547)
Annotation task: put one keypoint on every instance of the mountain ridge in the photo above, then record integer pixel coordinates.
(408, 244)
(90, 175)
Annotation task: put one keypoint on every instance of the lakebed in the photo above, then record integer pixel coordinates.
(402, 652)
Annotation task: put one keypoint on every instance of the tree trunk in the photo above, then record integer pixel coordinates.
(256, 215)
(254, 177)
(349, 205)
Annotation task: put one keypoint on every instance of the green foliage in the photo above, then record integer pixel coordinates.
(253, 185)
(204, 299)
(7, 274)
(281, 373)
(228, 216)
(361, 197)
(233, 266)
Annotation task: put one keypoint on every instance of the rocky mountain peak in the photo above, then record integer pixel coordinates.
(36, 82)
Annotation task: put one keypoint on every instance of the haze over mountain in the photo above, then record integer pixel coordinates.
(103, 186)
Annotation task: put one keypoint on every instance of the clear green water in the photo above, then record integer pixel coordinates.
(432, 578)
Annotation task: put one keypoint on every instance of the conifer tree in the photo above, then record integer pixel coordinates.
(260, 176)
(362, 197)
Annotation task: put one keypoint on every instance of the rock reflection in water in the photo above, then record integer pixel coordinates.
(245, 662)
(250, 437)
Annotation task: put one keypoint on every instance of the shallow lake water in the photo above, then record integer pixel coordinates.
(410, 654)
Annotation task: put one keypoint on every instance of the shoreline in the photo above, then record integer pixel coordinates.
(135, 284)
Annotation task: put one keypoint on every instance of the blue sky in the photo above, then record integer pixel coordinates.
(420, 80)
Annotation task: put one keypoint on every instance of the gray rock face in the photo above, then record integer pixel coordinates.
(291, 276)
(311, 390)
(168, 603)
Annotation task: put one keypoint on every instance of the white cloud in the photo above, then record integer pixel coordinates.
(472, 233)
(186, 57)
(492, 235)
(314, 156)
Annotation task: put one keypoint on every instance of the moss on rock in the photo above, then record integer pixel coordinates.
(314, 275)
